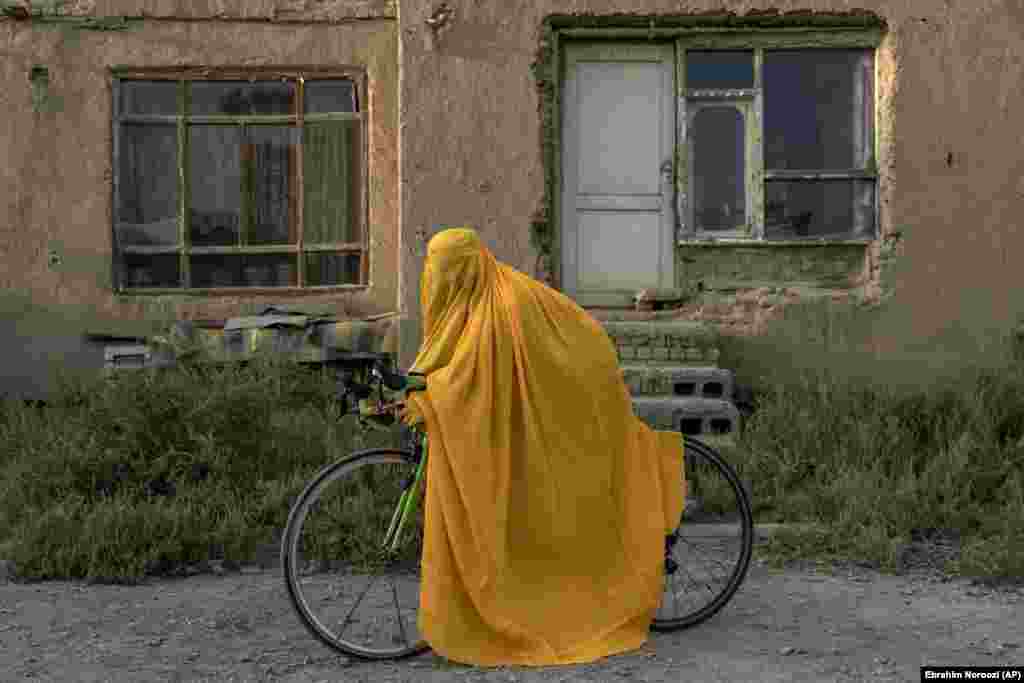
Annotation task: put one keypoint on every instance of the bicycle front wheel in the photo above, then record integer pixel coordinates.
(349, 592)
(707, 556)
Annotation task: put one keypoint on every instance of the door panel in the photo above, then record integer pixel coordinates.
(617, 171)
(615, 154)
(625, 239)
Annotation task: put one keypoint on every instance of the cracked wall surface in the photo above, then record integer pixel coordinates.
(55, 136)
(457, 138)
(948, 78)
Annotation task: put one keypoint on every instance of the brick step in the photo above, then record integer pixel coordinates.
(679, 380)
(689, 415)
(662, 342)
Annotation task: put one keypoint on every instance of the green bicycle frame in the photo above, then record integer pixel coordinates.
(407, 502)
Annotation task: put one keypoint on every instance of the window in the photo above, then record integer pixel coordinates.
(778, 141)
(239, 180)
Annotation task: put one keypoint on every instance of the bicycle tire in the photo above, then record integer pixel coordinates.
(290, 557)
(694, 449)
(697, 450)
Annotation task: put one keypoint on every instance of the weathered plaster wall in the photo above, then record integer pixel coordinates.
(55, 182)
(949, 102)
(56, 204)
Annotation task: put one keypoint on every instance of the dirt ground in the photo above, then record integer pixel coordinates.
(794, 624)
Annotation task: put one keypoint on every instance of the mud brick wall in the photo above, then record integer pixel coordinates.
(662, 343)
(748, 311)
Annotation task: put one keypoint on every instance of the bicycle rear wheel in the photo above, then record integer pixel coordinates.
(707, 556)
(347, 591)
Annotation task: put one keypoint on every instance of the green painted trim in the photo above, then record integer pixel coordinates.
(744, 38)
(248, 178)
(768, 244)
(117, 280)
(837, 283)
(800, 20)
(806, 29)
(184, 187)
(682, 169)
(232, 119)
(756, 151)
(52, 13)
(547, 76)
(39, 77)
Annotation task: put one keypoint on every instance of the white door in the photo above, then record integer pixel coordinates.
(618, 140)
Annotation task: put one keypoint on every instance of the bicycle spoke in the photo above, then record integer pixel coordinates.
(348, 508)
(398, 612)
(706, 569)
(724, 567)
(348, 616)
(675, 595)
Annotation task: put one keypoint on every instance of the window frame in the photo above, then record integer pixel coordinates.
(752, 100)
(184, 75)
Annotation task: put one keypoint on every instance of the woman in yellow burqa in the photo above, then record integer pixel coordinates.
(547, 500)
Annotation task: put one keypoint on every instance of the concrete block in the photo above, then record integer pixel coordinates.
(693, 416)
(700, 382)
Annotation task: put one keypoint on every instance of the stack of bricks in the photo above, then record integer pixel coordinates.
(671, 370)
(650, 342)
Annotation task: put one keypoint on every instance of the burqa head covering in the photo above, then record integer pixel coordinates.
(457, 272)
(547, 500)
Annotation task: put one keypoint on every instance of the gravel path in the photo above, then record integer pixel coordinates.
(794, 624)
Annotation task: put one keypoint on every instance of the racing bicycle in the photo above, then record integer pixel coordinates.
(351, 549)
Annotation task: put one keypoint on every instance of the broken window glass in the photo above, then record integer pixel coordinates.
(332, 168)
(272, 150)
(242, 97)
(329, 96)
(817, 109)
(719, 69)
(149, 97)
(215, 181)
(819, 208)
(333, 269)
(719, 169)
(147, 192)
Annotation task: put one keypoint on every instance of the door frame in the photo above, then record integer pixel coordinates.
(567, 259)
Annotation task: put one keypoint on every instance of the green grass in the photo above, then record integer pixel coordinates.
(166, 468)
(869, 447)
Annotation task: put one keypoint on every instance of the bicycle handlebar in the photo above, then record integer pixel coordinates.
(381, 377)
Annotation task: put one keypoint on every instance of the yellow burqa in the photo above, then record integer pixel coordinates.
(547, 500)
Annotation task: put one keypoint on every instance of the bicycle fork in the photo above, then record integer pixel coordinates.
(406, 503)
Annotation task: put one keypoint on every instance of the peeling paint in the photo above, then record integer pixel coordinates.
(545, 74)
(40, 78)
(856, 18)
(716, 29)
(53, 12)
